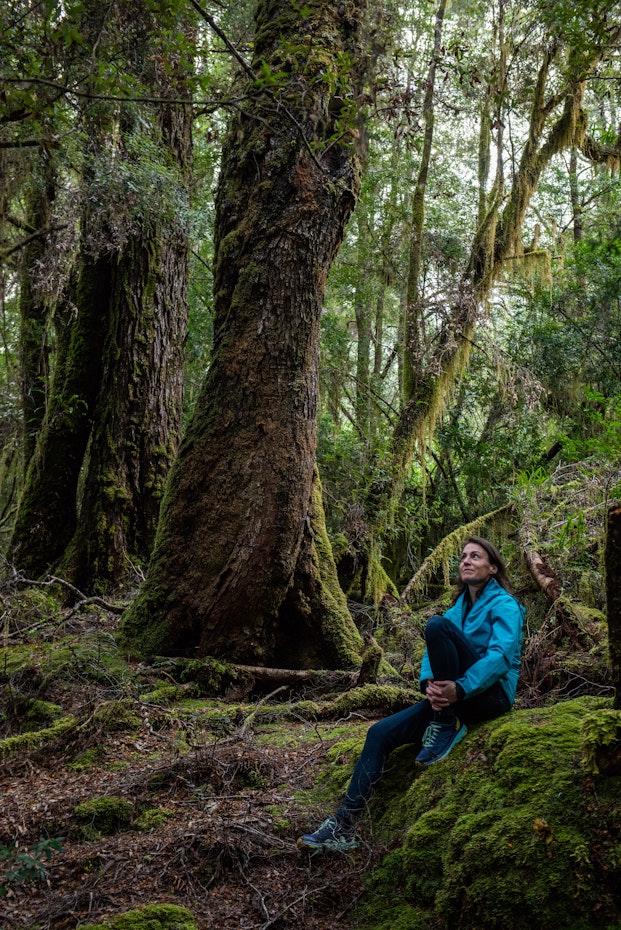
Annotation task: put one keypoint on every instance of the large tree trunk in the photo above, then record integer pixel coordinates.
(114, 416)
(138, 415)
(138, 418)
(237, 569)
(33, 311)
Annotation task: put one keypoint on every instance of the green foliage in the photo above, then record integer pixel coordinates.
(23, 864)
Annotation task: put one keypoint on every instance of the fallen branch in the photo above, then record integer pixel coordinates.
(546, 577)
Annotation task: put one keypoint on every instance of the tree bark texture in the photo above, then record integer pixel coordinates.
(137, 428)
(33, 312)
(613, 596)
(138, 415)
(237, 569)
(46, 516)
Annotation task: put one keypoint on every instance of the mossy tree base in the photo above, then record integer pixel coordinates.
(241, 567)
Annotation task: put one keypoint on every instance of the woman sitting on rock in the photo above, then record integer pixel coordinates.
(469, 674)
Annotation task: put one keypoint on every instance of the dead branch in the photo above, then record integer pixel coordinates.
(546, 577)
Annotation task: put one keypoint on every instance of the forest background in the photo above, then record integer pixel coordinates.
(294, 299)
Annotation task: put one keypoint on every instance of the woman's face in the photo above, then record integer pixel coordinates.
(475, 567)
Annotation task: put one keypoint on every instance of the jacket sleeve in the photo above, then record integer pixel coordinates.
(502, 650)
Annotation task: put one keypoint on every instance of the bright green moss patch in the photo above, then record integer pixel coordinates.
(86, 760)
(508, 831)
(116, 716)
(37, 738)
(41, 711)
(91, 658)
(599, 730)
(152, 819)
(166, 694)
(150, 917)
(105, 815)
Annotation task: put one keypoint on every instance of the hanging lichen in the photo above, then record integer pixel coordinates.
(449, 548)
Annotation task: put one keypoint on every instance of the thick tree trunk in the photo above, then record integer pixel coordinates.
(138, 423)
(33, 312)
(237, 569)
(138, 418)
(613, 596)
(46, 516)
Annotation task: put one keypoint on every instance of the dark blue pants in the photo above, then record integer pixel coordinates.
(450, 654)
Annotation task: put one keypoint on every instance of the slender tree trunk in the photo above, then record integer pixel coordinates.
(613, 596)
(574, 191)
(411, 366)
(239, 568)
(364, 332)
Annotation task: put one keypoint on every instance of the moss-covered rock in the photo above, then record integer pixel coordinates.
(150, 917)
(601, 740)
(104, 816)
(113, 716)
(508, 831)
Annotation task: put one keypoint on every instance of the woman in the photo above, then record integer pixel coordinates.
(469, 673)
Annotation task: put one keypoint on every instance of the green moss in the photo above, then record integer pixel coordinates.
(388, 698)
(600, 729)
(166, 694)
(117, 715)
(340, 633)
(92, 658)
(85, 761)
(104, 816)
(378, 583)
(37, 738)
(508, 831)
(150, 917)
(40, 711)
(280, 822)
(152, 819)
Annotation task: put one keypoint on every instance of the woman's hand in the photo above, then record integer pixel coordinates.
(441, 693)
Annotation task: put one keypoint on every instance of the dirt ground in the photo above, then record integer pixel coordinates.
(225, 811)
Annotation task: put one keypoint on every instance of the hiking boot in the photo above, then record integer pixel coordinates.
(331, 836)
(439, 739)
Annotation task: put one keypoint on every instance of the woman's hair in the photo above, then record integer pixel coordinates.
(494, 557)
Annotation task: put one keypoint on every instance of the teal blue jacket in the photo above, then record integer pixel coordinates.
(493, 626)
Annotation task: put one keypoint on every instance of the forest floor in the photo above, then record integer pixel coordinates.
(207, 816)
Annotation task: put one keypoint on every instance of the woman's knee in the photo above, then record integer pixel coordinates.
(435, 626)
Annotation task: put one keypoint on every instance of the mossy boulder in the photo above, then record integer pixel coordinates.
(509, 831)
(104, 816)
(150, 917)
